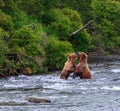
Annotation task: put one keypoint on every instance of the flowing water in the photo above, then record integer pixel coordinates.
(102, 93)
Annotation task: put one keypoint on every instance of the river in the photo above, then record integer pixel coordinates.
(102, 93)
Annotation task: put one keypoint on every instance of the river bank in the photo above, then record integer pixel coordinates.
(102, 58)
(92, 58)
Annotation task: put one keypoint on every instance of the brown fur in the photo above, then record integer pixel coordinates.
(37, 100)
(82, 69)
(68, 67)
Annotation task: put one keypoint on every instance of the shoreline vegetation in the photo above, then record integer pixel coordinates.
(37, 40)
(103, 58)
(92, 58)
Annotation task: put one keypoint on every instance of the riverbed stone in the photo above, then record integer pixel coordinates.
(37, 100)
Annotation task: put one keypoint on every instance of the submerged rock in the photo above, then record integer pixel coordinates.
(37, 100)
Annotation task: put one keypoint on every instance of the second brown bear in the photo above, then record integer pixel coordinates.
(82, 70)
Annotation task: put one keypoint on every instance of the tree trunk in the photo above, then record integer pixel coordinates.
(80, 29)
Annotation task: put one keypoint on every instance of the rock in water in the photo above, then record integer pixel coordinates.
(37, 100)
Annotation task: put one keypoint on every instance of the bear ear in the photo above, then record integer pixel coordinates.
(69, 57)
(85, 55)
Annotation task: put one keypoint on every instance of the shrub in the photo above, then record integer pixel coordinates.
(3, 46)
(107, 23)
(56, 52)
(22, 37)
(64, 22)
(6, 21)
(34, 49)
(29, 43)
(2, 3)
(82, 41)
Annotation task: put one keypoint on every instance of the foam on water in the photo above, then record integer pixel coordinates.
(77, 94)
(14, 86)
(116, 70)
(111, 88)
(22, 82)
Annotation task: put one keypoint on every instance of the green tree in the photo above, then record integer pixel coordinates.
(37, 9)
(3, 46)
(26, 40)
(82, 6)
(1, 3)
(107, 23)
(56, 52)
(82, 41)
(6, 21)
(64, 22)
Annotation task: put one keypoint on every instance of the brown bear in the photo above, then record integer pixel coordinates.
(82, 70)
(68, 67)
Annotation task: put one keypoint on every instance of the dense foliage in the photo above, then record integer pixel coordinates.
(106, 14)
(56, 52)
(35, 34)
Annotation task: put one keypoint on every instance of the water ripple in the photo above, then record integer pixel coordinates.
(100, 93)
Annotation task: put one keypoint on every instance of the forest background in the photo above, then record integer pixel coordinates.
(35, 35)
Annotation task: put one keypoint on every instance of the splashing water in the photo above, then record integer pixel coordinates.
(102, 93)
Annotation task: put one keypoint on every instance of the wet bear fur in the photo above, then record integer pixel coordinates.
(68, 67)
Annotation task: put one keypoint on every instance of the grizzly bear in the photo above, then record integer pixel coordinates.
(82, 70)
(68, 67)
